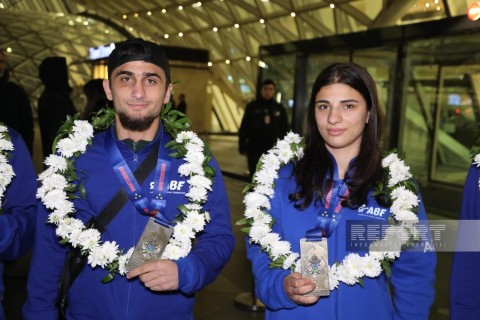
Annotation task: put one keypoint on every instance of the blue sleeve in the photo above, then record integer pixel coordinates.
(45, 269)
(464, 281)
(18, 204)
(269, 281)
(413, 280)
(214, 245)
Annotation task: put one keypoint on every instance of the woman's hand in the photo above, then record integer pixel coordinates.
(296, 287)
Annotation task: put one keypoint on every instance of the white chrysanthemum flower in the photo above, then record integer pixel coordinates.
(122, 262)
(79, 142)
(6, 145)
(55, 181)
(476, 160)
(398, 172)
(187, 169)
(290, 260)
(66, 147)
(269, 240)
(83, 128)
(182, 232)
(197, 194)
(103, 255)
(257, 232)
(265, 190)
(173, 250)
(403, 199)
(270, 160)
(253, 212)
(3, 128)
(333, 280)
(262, 219)
(354, 263)
(285, 153)
(392, 157)
(371, 267)
(184, 136)
(344, 275)
(56, 163)
(89, 238)
(193, 206)
(406, 215)
(257, 200)
(265, 177)
(53, 197)
(3, 158)
(200, 181)
(279, 248)
(292, 138)
(195, 220)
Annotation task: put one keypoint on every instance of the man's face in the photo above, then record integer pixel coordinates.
(3, 64)
(139, 91)
(268, 91)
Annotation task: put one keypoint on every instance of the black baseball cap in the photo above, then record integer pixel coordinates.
(138, 50)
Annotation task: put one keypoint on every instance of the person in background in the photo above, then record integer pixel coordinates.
(464, 280)
(264, 121)
(15, 109)
(182, 103)
(95, 96)
(139, 85)
(315, 198)
(18, 203)
(55, 103)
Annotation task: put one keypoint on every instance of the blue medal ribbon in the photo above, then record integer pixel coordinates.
(156, 206)
(330, 213)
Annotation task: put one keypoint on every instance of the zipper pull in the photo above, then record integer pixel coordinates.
(135, 158)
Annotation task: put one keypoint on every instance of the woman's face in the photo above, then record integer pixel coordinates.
(341, 115)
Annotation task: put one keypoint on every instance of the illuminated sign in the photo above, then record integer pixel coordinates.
(100, 52)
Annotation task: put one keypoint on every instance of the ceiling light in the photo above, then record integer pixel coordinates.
(124, 17)
(180, 8)
(9, 50)
(215, 29)
(164, 10)
(332, 5)
(149, 13)
(237, 25)
(292, 14)
(135, 15)
(227, 61)
(248, 58)
(209, 64)
(197, 4)
(166, 36)
(180, 34)
(262, 21)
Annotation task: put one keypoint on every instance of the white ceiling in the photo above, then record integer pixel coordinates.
(35, 29)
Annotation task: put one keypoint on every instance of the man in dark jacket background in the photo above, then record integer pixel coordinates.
(55, 103)
(15, 108)
(263, 123)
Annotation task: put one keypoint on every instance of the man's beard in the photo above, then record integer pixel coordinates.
(137, 124)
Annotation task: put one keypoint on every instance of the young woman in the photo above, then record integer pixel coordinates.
(319, 197)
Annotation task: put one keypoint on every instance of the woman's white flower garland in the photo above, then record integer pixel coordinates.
(354, 267)
(55, 188)
(6, 169)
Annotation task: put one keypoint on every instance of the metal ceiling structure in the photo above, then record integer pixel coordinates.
(231, 30)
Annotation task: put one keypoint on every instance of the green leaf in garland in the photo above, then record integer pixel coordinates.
(109, 277)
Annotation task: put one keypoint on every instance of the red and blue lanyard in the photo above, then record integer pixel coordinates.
(156, 205)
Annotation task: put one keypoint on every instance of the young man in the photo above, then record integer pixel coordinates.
(263, 123)
(139, 85)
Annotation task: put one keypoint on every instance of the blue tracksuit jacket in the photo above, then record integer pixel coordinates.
(19, 205)
(122, 298)
(412, 277)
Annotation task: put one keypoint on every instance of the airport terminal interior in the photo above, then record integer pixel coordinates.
(423, 54)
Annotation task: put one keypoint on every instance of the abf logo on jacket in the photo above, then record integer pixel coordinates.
(372, 211)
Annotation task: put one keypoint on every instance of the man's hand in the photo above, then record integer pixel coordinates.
(295, 286)
(157, 275)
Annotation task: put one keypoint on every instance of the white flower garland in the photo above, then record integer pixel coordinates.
(354, 267)
(6, 169)
(55, 187)
(476, 161)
